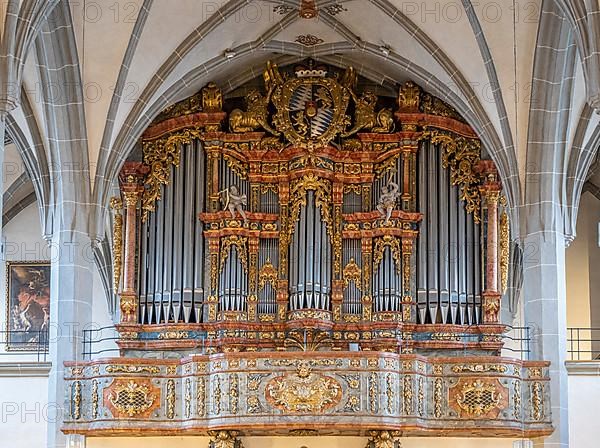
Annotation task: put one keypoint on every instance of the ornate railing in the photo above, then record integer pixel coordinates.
(336, 392)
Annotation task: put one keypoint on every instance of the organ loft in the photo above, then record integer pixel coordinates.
(315, 248)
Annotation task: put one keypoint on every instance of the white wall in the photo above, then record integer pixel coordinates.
(24, 411)
(584, 399)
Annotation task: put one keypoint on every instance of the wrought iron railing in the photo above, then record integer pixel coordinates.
(25, 343)
(101, 342)
(583, 344)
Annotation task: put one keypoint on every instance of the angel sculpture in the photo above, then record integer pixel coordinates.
(233, 201)
(387, 200)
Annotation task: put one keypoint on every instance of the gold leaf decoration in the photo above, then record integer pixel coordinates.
(131, 398)
(303, 391)
(160, 155)
(478, 398)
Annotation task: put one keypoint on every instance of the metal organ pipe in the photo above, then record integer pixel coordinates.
(198, 158)
(422, 238)
(143, 261)
(158, 274)
(187, 235)
(463, 265)
(168, 251)
(443, 258)
(449, 254)
(432, 232)
(150, 267)
(453, 205)
(178, 212)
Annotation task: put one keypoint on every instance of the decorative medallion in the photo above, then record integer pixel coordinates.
(478, 398)
(311, 108)
(131, 399)
(309, 40)
(304, 391)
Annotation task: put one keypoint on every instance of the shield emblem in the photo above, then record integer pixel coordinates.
(311, 111)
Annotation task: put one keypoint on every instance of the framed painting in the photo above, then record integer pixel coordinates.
(27, 305)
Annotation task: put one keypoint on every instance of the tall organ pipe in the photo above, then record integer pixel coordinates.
(150, 266)
(168, 250)
(199, 261)
(178, 210)
(432, 234)
(158, 274)
(187, 234)
(453, 235)
(143, 259)
(422, 239)
(443, 258)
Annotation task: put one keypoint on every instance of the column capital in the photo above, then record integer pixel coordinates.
(133, 174)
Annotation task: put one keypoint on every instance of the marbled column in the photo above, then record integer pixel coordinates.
(131, 177)
(490, 193)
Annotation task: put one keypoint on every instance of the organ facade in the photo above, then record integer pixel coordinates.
(313, 250)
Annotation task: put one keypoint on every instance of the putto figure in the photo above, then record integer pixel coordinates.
(387, 200)
(233, 201)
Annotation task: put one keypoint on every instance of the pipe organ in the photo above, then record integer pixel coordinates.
(316, 205)
(312, 258)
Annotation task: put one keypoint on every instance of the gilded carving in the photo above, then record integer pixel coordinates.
(117, 205)
(407, 395)
(420, 396)
(170, 400)
(187, 398)
(384, 439)
(504, 251)
(409, 97)
(394, 245)
(267, 274)
(234, 393)
(131, 398)
(95, 398)
(517, 399)
(373, 392)
(224, 439)
(201, 397)
(241, 245)
(537, 403)
(303, 391)
(255, 117)
(437, 398)
(212, 98)
(461, 155)
(477, 398)
(217, 394)
(352, 273)
(122, 368)
(160, 155)
(365, 117)
(479, 368)
(298, 192)
(389, 384)
(76, 400)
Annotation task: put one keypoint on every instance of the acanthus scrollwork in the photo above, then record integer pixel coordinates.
(303, 391)
(160, 155)
(241, 245)
(461, 155)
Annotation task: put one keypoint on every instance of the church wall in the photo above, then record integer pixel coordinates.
(583, 283)
(23, 242)
(584, 396)
(23, 400)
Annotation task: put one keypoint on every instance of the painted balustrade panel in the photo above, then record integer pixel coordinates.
(339, 393)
